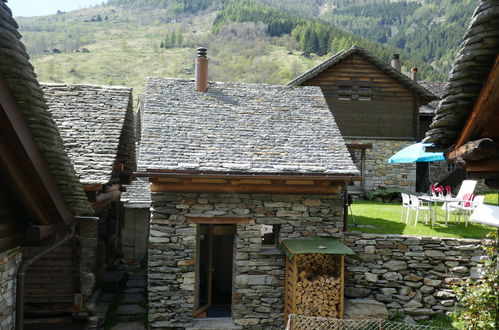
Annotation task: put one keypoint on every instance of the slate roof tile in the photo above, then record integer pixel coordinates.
(91, 120)
(474, 61)
(236, 127)
(20, 76)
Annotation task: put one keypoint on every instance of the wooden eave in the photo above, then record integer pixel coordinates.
(24, 166)
(482, 123)
(284, 183)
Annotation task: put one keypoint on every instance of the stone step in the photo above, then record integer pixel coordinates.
(216, 323)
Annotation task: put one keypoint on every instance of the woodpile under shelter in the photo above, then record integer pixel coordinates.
(467, 119)
(97, 127)
(234, 170)
(41, 198)
(377, 110)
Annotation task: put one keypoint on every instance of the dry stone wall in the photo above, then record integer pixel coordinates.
(378, 173)
(410, 275)
(9, 261)
(258, 275)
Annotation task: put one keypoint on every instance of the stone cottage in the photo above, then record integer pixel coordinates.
(97, 127)
(377, 111)
(233, 170)
(41, 198)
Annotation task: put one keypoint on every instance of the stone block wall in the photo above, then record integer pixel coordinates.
(258, 277)
(9, 262)
(378, 173)
(410, 275)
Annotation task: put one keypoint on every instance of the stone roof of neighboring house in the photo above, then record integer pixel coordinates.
(381, 65)
(19, 74)
(137, 195)
(91, 120)
(474, 61)
(437, 88)
(240, 128)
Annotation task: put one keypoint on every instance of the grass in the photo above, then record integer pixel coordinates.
(385, 219)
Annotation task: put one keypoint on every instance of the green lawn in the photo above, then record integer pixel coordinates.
(384, 218)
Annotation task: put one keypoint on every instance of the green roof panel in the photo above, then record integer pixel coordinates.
(323, 245)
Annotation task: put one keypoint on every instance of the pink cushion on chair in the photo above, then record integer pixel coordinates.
(467, 197)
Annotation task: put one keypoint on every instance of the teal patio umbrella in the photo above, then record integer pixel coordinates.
(416, 153)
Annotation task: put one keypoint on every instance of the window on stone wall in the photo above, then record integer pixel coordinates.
(270, 235)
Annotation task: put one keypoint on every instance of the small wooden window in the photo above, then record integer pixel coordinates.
(270, 235)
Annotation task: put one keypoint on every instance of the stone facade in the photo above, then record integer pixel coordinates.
(9, 261)
(258, 275)
(378, 173)
(410, 275)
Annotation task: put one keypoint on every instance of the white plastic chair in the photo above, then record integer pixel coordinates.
(467, 187)
(468, 209)
(417, 204)
(406, 206)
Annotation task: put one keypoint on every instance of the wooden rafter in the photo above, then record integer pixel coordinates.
(485, 107)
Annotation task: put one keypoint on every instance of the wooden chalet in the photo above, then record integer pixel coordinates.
(41, 197)
(466, 125)
(97, 127)
(233, 170)
(377, 111)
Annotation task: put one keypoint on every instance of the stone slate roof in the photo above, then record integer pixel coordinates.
(20, 76)
(240, 128)
(91, 119)
(137, 195)
(437, 88)
(474, 61)
(384, 67)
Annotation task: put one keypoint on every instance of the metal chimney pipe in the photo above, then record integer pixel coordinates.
(201, 70)
(396, 64)
(414, 74)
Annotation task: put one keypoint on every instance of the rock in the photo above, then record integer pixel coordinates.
(430, 282)
(388, 291)
(395, 265)
(413, 277)
(426, 289)
(420, 311)
(409, 320)
(365, 309)
(133, 290)
(392, 276)
(413, 304)
(444, 294)
(459, 269)
(371, 277)
(354, 292)
(447, 303)
(435, 254)
(383, 298)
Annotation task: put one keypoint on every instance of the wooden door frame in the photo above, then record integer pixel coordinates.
(203, 309)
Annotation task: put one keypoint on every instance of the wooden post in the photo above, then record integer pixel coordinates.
(345, 207)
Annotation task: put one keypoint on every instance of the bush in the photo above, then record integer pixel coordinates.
(478, 300)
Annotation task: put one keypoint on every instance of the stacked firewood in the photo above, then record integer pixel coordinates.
(318, 285)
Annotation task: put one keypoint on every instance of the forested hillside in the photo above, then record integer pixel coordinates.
(261, 41)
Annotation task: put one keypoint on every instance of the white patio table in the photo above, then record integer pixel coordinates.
(435, 200)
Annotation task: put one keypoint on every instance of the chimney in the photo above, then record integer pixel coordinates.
(201, 70)
(414, 74)
(396, 62)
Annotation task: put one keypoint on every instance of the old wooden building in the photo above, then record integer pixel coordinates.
(97, 127)
(377, 111)
(233, 170)
(466, 124)
(41, 198)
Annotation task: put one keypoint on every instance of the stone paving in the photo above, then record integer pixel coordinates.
(121, 301)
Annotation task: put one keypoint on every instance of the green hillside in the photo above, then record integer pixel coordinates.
(265, 41)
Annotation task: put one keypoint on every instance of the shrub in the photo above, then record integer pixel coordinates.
(478, 300)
